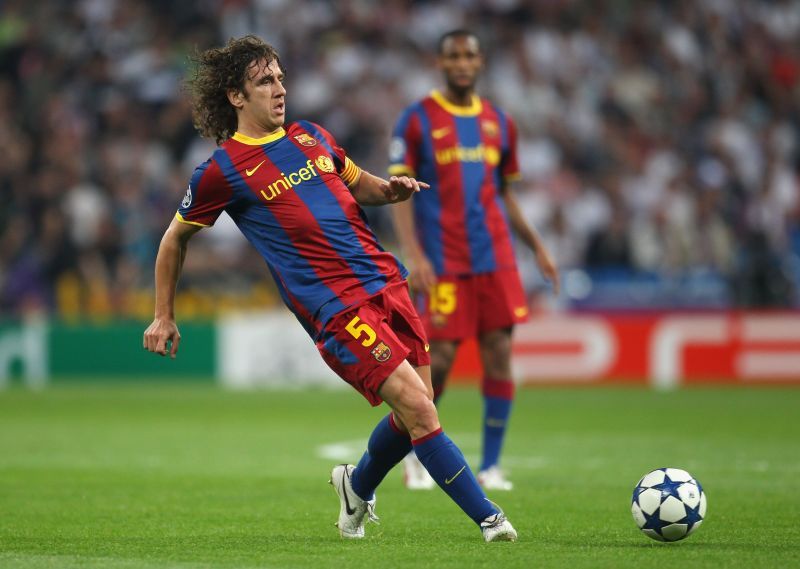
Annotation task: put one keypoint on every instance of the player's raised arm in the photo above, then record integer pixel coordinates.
(372, 190)
(169, 262)
(531, 238)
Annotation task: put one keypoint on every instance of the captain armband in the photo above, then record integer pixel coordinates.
(351, 173)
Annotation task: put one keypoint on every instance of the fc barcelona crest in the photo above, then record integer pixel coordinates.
(490, 128)
(381, 352)
(306, 139)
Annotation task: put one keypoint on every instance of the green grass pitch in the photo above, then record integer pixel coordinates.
(181, 476)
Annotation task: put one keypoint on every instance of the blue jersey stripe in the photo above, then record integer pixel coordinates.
(328, 212)
(402, 123)
(307, 326)
(198, 174)
(299, 275)
(400, 266)
(337, 349)
(505, 148)
(399, 145)
(473, 175)
(504, 142)
(426, 203)
(194, 182)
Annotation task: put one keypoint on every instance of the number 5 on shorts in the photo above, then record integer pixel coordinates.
(356, 330)
(443, 298)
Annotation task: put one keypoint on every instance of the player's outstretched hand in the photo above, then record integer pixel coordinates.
(548, 268)
(400, 188)
(158, 336)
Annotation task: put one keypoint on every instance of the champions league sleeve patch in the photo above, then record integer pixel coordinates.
(187, 199)
(397, 149)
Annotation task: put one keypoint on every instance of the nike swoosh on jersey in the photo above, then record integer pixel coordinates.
(253, 171)
(449, 480)
(440, 132)
(350, 510)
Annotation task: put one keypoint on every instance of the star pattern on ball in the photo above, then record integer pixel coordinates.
(653, 522)
(692, 516)
(668, 487)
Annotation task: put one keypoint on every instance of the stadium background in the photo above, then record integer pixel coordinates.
(660, 154)
(659, 146)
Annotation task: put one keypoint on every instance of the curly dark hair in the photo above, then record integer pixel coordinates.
(216, 71)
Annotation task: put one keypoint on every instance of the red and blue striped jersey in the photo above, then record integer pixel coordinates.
(288, 194)
(466, 154)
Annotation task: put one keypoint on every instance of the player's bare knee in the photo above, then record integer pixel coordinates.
(428, 412)
(495, 350)
(417, 411)
(418, 402)
(497, 367)
(422, 418)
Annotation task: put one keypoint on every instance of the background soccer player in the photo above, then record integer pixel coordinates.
(456, 236)
(295, 195)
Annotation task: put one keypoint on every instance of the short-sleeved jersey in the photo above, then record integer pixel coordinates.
(288, 194)
(466, 154)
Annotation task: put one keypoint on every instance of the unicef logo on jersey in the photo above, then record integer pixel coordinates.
(187, 199)
(397, 149)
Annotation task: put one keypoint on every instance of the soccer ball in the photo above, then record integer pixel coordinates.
(668, 504)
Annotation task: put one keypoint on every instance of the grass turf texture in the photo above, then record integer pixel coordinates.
(180, 476)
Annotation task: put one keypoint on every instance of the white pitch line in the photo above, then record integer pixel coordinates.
(344, 450)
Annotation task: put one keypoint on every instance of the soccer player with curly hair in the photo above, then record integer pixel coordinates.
(297, 197)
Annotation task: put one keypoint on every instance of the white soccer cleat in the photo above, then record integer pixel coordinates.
(415, 477)
(353, 510)
(497, 528)
(494, 479)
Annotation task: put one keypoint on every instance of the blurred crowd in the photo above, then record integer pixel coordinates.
(657, 138)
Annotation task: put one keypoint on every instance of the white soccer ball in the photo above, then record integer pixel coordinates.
(668, 504)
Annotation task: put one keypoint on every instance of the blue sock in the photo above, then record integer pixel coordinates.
(386, 447)
(445, 463)
(497, 398)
